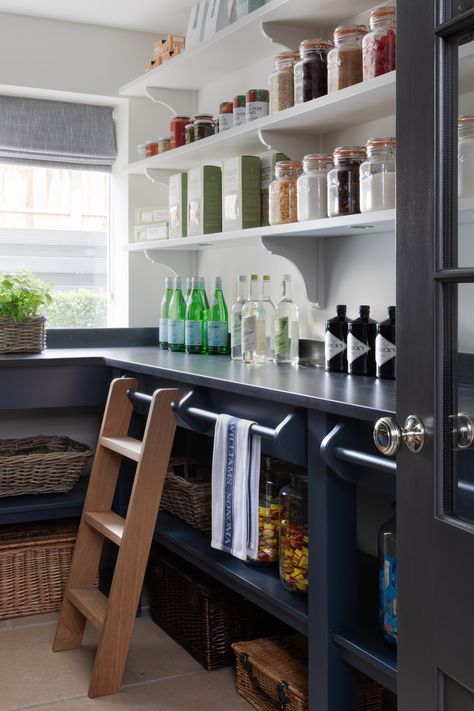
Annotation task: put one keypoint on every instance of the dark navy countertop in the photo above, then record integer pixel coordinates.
(303, 386)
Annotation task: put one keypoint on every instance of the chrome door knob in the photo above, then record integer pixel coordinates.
(388, 435)
(463, 431)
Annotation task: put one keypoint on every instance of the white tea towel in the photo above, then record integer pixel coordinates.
(235, 485)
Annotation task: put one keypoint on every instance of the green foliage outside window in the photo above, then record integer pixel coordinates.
(77, 309)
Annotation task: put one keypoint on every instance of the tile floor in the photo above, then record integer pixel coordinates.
(160, 675)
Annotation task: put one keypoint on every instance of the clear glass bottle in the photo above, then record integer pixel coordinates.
(283, 200)
(270, 309)
(312, 187)
(253, 326)
(345, 59)
(176, 318)
(218, 323)
(280, 82)
(195, 325)
(379, 45)
(311, 72)
(466, 156)
(343, 181)
(236, 319)
(388, 579)
(286, 327)
(378, 175)
(294, 535)
(164, 310)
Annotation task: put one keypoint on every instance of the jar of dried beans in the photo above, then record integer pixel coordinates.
(312, 187)
(345, 59)
(311, 72)
(280, 82)
(283, 200)
(343, 181)
(178, 131)
(294, 535)
(379, 45)
(377, 175)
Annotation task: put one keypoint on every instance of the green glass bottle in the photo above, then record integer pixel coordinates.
(195, 326)
(164, 310)
(218, 323)
(176, 318)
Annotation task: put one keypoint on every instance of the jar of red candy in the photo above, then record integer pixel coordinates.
(178, 130)
(273, 475)
(379, 45)
(294, 535)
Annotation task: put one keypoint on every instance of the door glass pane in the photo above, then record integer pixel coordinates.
(459, 7)
(463, 254)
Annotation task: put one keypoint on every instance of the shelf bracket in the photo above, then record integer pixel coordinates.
(177, 101)
(289, 36)
(161, 177)
(178, 261)
(293, 144)
(307, 254)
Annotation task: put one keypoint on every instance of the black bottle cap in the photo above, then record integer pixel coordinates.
(341, 309)
(391, 311)
(364, 310)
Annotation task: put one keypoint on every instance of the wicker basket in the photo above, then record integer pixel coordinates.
(370, 695)
(25, 469)
(187, 492)
(35, 560)
(203, 616)
(29, 336)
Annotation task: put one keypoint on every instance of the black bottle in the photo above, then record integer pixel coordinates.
(335, 341)
(385, 346)
(361, 344)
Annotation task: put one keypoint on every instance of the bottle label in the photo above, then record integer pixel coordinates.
(355, 348)
(249, 334)
(193, 333)
(175, 332)
(236, 330)
(281, 335)
(388, 587)
(333, 346)
(384, 350)
(217, 333)
(163, 330)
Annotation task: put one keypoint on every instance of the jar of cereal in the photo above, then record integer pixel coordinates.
(280, 81)
(345, 59)
(283, 200)
(343, 181)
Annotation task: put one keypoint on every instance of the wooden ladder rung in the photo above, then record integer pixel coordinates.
(127, 446)
(108, 523)
(91, 603)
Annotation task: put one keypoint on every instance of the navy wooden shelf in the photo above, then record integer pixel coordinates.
(260, 585)
(365, 649)
(41, 507)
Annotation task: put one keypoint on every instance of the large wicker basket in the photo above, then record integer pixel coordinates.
(40, 464)
(29, 336)
(35, 560)
(187, 492)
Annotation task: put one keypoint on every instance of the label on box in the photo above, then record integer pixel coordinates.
(217, 333)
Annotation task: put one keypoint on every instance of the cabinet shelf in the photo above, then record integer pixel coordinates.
(41, 507)
(261, 586)
(365, 649)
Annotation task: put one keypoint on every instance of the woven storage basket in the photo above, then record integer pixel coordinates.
(201, 615)
(29, 336)
(25, 469)
(35, 560)
(187, 492)
(370, 694)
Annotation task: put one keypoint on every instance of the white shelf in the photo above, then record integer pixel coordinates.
(242, 44)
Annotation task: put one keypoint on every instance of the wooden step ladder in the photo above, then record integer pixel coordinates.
(114, 616)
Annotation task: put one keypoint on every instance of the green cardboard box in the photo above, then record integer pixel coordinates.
(178, 205)
(204, 200)
(241, 193)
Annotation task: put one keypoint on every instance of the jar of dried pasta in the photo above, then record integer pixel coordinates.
(283, 192)
(280, 81)
(345, 59)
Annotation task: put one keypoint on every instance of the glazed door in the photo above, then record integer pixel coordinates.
(435, 383)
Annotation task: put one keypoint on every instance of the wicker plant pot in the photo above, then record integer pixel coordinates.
(187, 492)
(29, 336)
(25, 469)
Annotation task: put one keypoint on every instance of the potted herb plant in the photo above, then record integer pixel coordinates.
(22, 328)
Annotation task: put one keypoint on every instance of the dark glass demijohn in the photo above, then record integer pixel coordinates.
(361, 344)
(335, 341)
(385, 346)
(388, 579)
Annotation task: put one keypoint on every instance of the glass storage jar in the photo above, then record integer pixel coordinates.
(343, 181)
(312, 187)
(378, 176)
(273, 476)
(466, 156)
(379, 45)
(189, 133)
(282, 197)
(203, 128)
(311, 72)
(294, 535)
(280, 82)
(163, 144)
(345, 59)
(178, 130)
(388, 579)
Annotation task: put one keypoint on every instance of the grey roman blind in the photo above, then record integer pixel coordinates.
(56, 134)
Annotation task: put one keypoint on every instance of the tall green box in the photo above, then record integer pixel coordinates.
(178, 205)
(241, 193)
(204, 200)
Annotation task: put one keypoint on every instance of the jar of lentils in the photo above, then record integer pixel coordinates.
(378, 46)
(283, 193)
(280, 81)
(378, 176)
(312, 187)
(311, 72)
(345, 59)
(343, 181)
